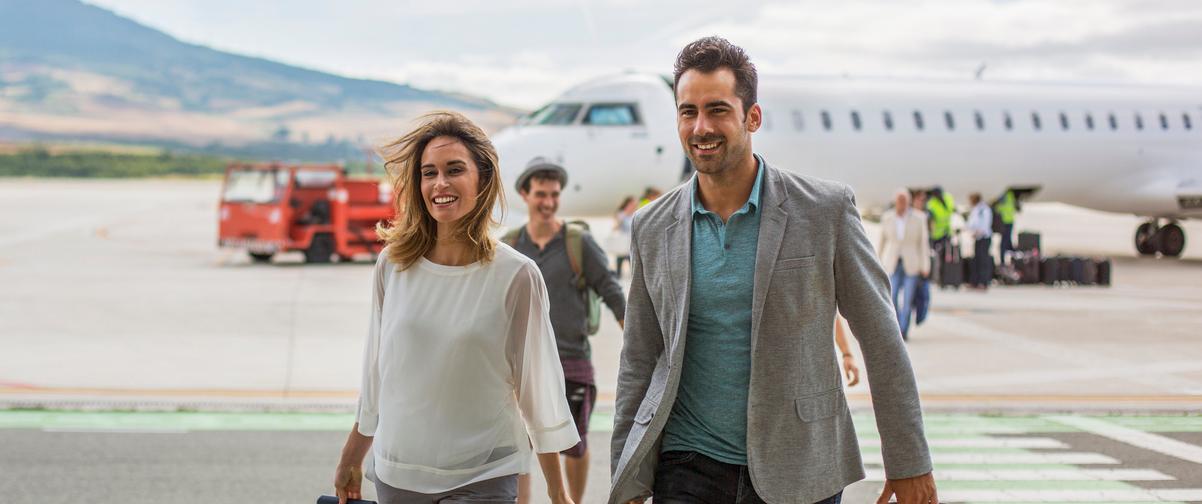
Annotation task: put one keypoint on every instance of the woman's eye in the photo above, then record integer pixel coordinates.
(428, 174)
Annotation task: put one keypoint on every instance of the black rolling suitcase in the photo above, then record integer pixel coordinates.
(1026, 267)
(1064, 269)
(1077, 266)
(1104, 272)
(1028, 242)
(951, 267)
(1049, 270)
(1089, 271)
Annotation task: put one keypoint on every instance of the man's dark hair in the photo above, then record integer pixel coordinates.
(551, 175)
(708, 54)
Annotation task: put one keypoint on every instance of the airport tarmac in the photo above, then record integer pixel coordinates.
(115, 297)
(115, 291)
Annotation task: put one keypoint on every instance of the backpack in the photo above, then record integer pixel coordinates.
(574, 241)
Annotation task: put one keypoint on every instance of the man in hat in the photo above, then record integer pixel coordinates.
(576, 272)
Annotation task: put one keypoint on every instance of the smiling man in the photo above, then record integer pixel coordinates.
(728, 389)
(573, 265)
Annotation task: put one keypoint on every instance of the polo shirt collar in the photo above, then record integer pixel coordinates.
(753, 200)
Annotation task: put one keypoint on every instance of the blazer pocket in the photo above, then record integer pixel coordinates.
(794, 263)
(822, 405)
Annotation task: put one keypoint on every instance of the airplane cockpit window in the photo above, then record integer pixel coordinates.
(1185, 121)
(949, 120)
(1114, 122)
(1064, 121)
(918, 120)
(612, 114)
(1164, 121)
(1008, 121)
(1139, 122)
(1088, 121)
(798, 122)
(979, 119)
(1036, 122)
(855, 120)
(555, 114)
(826, 120)
(888, 119)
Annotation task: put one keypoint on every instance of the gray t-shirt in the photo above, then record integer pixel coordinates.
(569, 310)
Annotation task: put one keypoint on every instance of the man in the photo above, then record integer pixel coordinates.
(922, 296)
(905, 250)
(940, 208)
(980, 223)
(571, 264)
(728, 388)
(1006, 206)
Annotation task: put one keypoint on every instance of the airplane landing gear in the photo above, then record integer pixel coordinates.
(1168, 240)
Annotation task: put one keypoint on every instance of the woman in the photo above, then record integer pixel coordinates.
(461, 372)
(619, 242)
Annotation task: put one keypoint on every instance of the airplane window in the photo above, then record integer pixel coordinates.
(612, 114)
(1063, 121)
(798, 123)
(1089, 121)
(1009, 122)
(1035, 121)
(918, 120)
(1114, 122)
(980, 120)
(888, 118)
(826, 120)
(855, 120)
(949, 120)
(1164, 122)
(1186, 122)
(556, 114)
(1139, 122)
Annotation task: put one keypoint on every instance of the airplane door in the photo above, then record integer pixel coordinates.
(621, 151)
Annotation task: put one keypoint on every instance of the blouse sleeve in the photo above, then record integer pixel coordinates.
(368, 413)
(534, 359)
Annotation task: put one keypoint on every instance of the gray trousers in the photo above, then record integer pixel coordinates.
(502, 490)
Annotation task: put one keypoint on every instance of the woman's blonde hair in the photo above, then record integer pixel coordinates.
(412, 232)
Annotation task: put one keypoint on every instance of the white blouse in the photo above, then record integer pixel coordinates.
(461, 374)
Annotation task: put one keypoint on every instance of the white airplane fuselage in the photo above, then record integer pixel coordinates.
(1058, 142)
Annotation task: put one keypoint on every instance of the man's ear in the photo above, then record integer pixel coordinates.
(755, 117)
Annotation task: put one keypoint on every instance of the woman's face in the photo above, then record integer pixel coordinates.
(450, 179)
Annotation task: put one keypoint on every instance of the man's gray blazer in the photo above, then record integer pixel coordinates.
(813, 257)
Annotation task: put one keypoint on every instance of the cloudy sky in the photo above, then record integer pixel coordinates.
(524, 52)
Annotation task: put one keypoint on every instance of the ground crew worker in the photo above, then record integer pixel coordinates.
(940, 208)
(1006, 206)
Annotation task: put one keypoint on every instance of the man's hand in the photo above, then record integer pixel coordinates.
(348, 480)
(851, 370)
(916, 490)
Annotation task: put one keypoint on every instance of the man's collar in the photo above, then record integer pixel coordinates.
(753, 200)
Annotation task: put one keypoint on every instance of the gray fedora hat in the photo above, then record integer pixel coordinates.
(540, 164)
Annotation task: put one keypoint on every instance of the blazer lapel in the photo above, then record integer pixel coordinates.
(773, 220)
(680, 267)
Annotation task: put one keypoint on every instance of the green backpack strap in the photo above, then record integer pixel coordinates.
(511, 236)
(575, 244)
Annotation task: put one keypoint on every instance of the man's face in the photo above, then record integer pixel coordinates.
(901, 202)
(920, 200)
(542, 199)
(714, 131)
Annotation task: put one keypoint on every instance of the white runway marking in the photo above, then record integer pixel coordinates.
(1063, 458)
(1015, 442)
(1132, 495)
(1038, 475)
(1136, 438)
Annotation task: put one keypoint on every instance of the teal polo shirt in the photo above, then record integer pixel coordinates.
(710, 413)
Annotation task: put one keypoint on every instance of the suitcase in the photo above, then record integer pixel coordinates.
(1077, 266)
(1049, 270)
(1028, 242)
(1089, 273)
(951, 268)
(1065, 269)
(1026, 266)
(1104, 272)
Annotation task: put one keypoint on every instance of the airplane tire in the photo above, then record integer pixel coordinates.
(1146, 239)
(320, 250)
(1172, 240)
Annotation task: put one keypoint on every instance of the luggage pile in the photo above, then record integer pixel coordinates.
(1028, 267)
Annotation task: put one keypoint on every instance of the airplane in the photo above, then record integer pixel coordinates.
(1134, 149)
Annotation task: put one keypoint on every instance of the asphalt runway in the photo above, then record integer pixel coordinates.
(114, 296)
